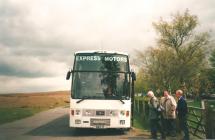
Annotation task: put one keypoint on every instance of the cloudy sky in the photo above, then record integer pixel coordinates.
(39, 37)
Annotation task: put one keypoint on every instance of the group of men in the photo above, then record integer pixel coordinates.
(163, 114)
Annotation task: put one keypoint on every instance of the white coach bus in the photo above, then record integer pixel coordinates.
(101, 91)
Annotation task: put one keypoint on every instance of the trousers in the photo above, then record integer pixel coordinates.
(155, 126)
(183, 126)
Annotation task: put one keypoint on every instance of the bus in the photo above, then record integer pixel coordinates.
(101, 90)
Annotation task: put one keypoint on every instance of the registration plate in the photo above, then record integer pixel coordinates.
(100, 126)
(99, 122)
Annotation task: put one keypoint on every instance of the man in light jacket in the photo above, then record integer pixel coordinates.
(169, 105)
(163, 114)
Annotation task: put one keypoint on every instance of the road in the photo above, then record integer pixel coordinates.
(54, 125)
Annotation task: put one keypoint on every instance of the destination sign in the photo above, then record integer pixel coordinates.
(104, 58)
(88, 58)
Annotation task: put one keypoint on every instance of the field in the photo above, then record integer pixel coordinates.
(17, 106)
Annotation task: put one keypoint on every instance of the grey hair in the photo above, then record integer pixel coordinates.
(150, 93)
(179, 91)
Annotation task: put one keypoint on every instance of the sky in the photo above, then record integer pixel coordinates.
(38, 38)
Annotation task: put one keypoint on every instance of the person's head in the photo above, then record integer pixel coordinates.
(165, 93)
(179, 93)
(150, 94)
(109, 90)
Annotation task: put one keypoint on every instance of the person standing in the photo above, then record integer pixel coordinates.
(169, 105)
(153, 116)
(163, 115)
(182, 113)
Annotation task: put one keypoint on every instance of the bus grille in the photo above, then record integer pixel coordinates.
(100, 113)
(94, 113)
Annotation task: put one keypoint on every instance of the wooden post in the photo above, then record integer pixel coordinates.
(209, 121)
(203, 104)
(141, 107)
(143, 111)
(204, 115)
(212, 120)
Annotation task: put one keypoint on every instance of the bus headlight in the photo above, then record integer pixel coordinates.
(122, 112)
(72, 112)
(88, 113)
(127, 113)
(113, 113)
(77, 112)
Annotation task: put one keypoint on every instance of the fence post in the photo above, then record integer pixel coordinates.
(207, 123)
(143, 109)
(204, 115)
(138, 109)
(209, 120)
(146, 109)
(203, 104)
(134, 105)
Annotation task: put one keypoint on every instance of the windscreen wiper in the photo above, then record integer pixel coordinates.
(83, 98)
(120, 100)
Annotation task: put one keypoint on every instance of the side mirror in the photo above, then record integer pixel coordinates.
(133, 76)
(68, 75)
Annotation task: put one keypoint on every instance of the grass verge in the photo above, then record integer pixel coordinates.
(140, 123)
(12, 114)
(194, 103)
(17, 106)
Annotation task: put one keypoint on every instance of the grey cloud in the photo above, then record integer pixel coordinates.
(22, 39)
(9, 70)
(14, 27)
(14, 63)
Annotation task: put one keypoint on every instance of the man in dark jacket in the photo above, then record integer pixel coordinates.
(182, 113)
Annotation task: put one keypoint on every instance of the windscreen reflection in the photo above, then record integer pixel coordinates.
(100, 85)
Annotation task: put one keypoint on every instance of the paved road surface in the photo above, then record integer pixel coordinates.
(53, 125)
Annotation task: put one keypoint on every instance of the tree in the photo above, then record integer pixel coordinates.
(178, 34)
(212, 59)
(159, 68)
(211, 71)
(179, 56)
(174, 33)
(141, 83)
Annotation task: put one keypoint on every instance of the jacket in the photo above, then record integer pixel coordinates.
(182, 108)
(169, 105)
(153, 105)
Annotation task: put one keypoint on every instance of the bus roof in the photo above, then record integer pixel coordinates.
(100, 51)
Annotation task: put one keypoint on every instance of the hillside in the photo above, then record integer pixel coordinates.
(17, 106)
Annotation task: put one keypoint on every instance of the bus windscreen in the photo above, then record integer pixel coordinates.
(101, 76)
